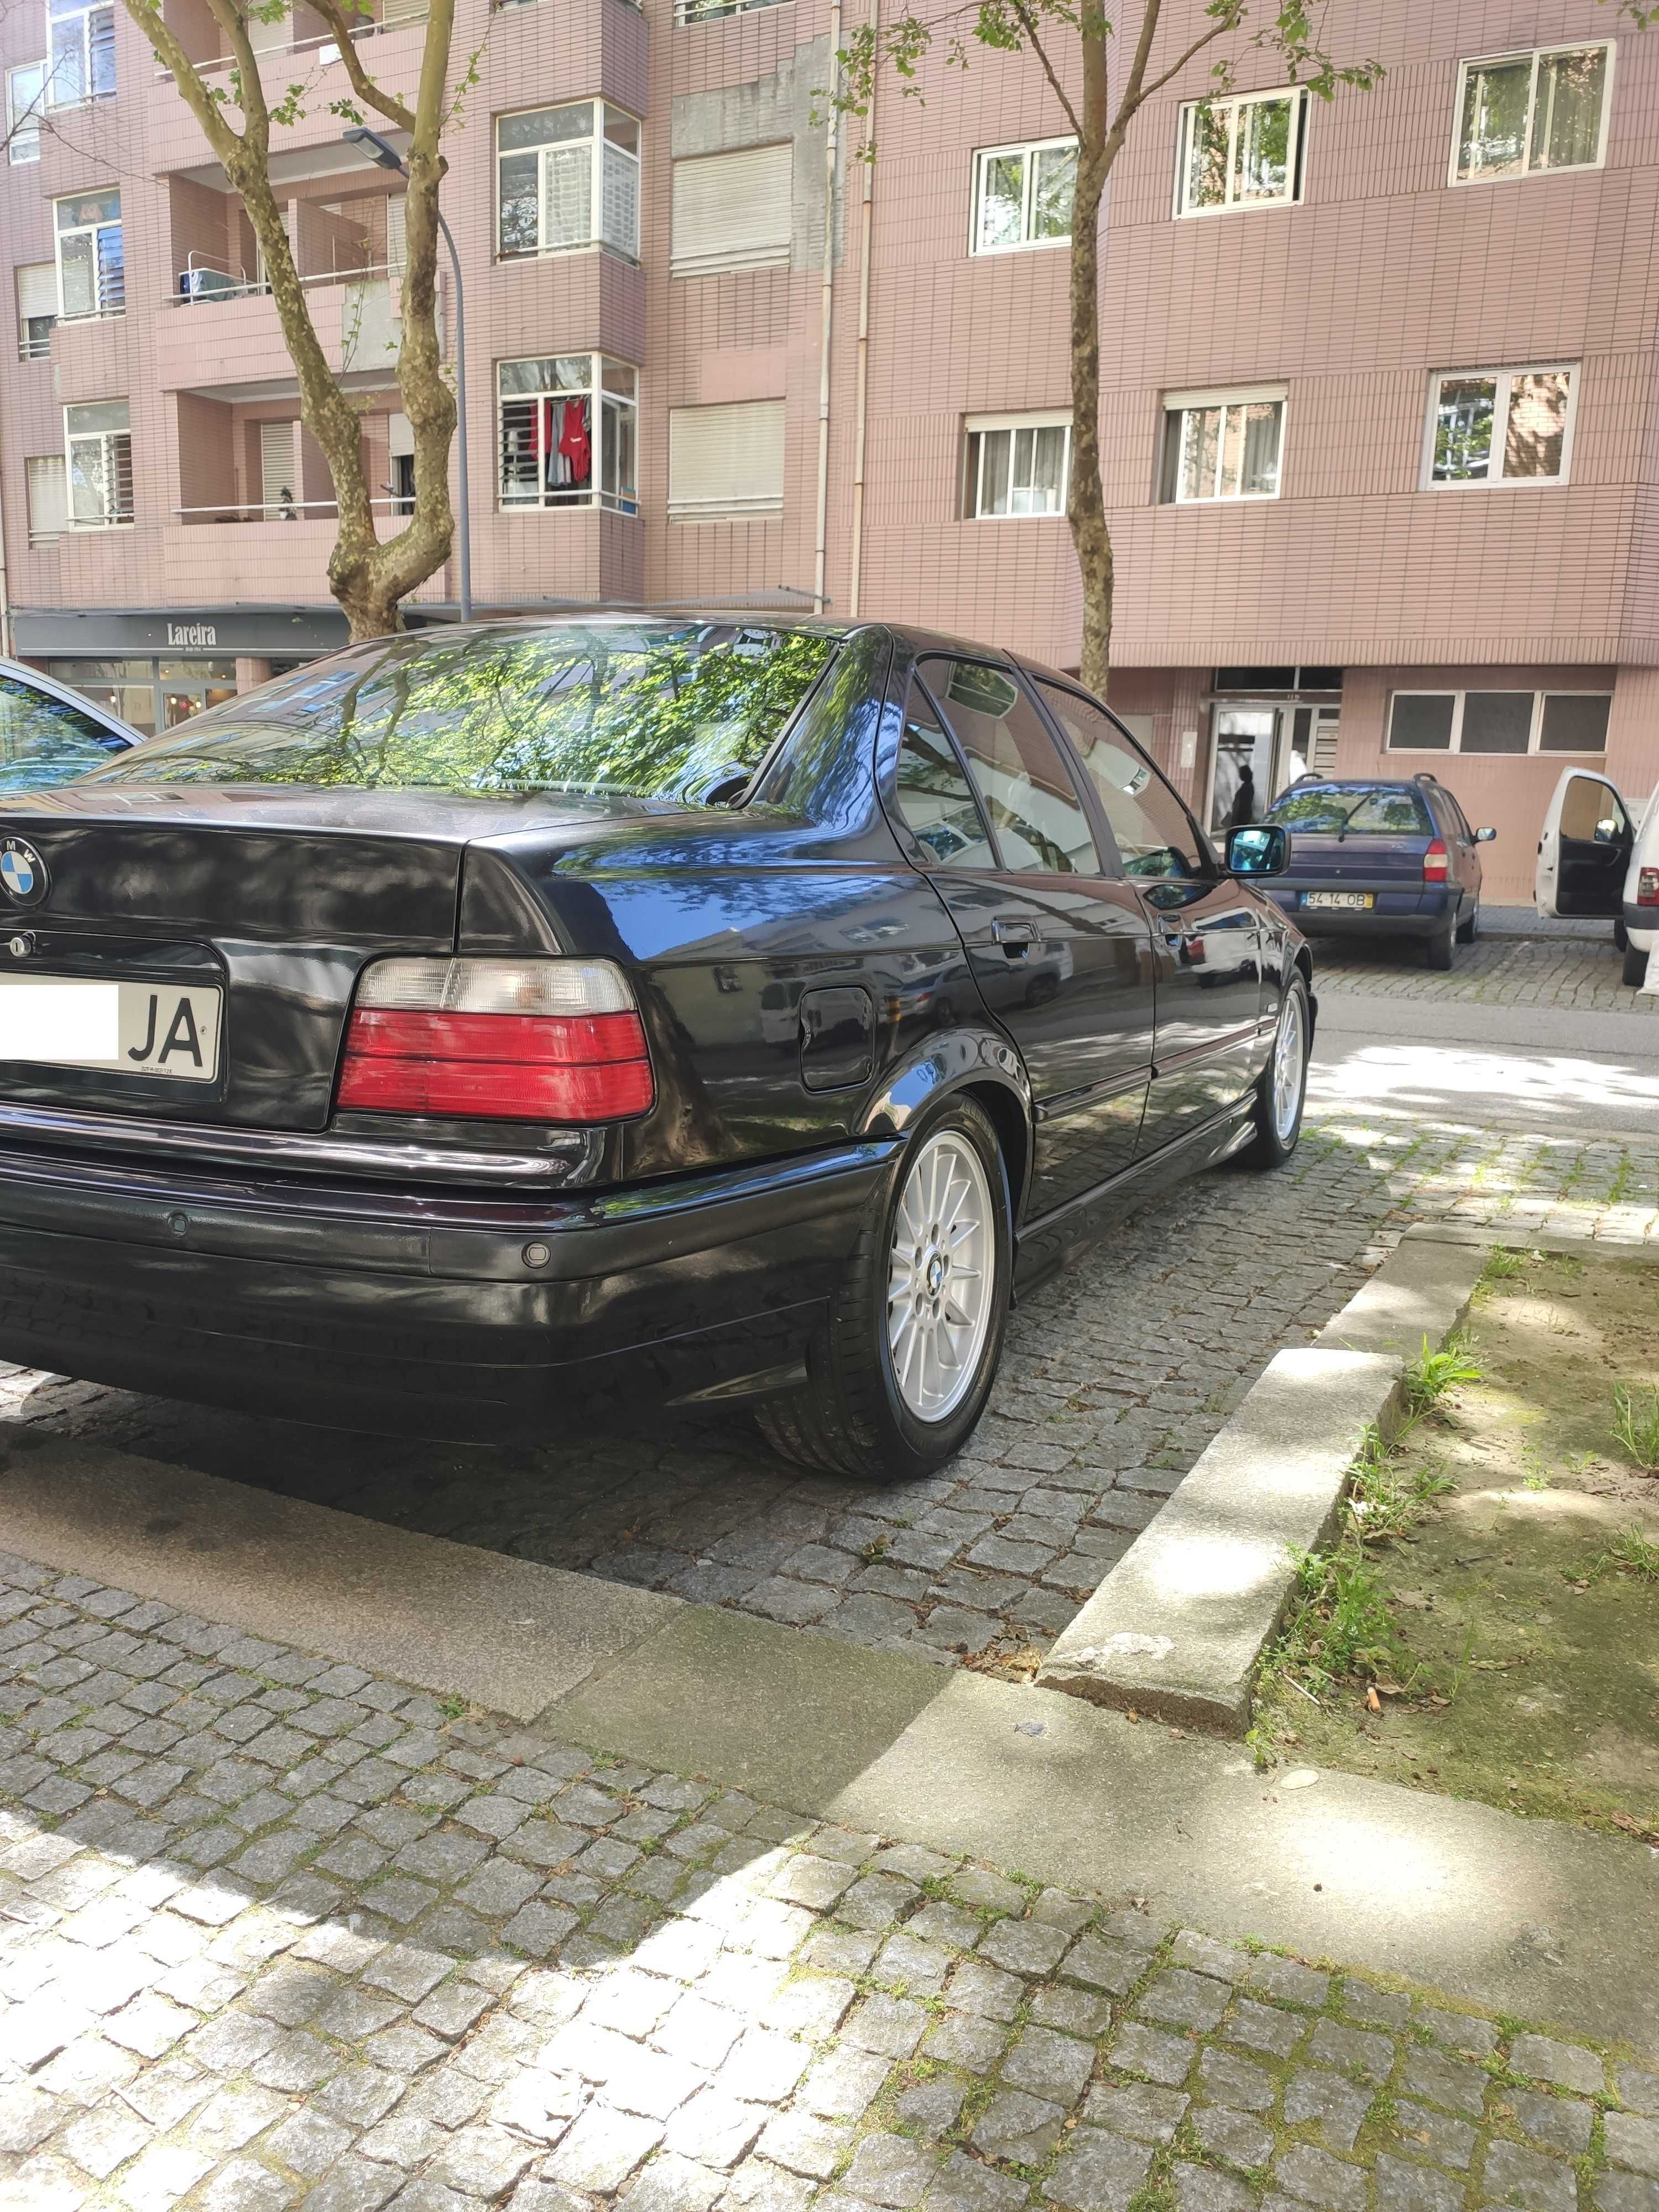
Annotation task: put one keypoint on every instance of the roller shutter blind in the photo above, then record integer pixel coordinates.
(48, 494)
(37, 289)
(726, 459)
(277, 467)
(733, 210)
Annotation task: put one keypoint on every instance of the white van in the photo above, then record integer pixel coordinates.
(1599, 855)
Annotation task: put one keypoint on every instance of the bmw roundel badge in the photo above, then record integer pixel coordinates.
(23, 873)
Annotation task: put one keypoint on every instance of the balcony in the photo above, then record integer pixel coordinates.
(241, 556)
(229, 340)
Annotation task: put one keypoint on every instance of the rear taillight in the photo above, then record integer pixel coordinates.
(1647, 887)
(497, 1040)
(1434, 862)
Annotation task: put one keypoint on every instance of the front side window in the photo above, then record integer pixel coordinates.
(26, 93)
(98, 453)
(648, 709)
(568, 432)
(1024, 784)
(81, 65)
(567, 177)
(1022, 195)
(1016, 464)
(1499, 721)
(1155, 834)
(1501, 426)
(1243, 152)
(45, 740)
(1523, 114)
(92, 277)
(1220, 445)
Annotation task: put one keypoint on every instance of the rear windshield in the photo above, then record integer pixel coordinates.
(646, 711)
(1387, 813)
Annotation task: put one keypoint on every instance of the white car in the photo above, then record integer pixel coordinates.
(1599, 855)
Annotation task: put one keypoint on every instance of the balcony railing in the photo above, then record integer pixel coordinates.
(283, 510)
(325, 48)
(200, 281)
(713, 11)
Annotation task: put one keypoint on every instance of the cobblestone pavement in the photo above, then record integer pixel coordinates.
(1117, 1375)
(1574, 975)
(275, 1933)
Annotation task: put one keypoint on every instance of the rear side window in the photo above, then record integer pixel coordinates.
(1035, 812)
(935, 797)
(1154, 832)
(1354, 813)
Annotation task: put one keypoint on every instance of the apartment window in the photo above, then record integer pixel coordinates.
(1243, 152)
(279, 470)
(37, 309)
(1222, 445)
(1500, 426)
(1016, 464)
(48, 495)
(1022, 195)
(1524, 114)
(1499, 721)
(92, 277)
(726, 460)
(81, 65)
(26, 93)
(567, 177)
(99, 451)
(733, 210)
(568, 432)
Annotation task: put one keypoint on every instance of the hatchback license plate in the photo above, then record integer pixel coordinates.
(119, 1028)
(1351, 902)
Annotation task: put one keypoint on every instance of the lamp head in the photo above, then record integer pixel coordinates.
(380, 150)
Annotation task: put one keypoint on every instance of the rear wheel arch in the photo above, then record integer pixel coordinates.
(1009, 1117)
(976, 1062)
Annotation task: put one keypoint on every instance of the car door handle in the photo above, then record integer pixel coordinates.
(1016, 935)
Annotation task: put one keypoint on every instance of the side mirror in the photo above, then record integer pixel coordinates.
(1258, 848)
(1484, 836)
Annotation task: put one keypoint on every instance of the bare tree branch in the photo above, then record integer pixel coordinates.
(372, 94)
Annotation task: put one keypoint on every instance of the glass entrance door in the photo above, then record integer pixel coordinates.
(1259, 751)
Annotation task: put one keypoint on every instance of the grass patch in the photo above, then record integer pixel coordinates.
(1432, 1374)
(1504, 1266)
(1635, 1427)
(1632, 1554)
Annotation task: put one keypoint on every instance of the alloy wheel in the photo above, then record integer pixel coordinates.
(940, 1276)
(1290, 1051)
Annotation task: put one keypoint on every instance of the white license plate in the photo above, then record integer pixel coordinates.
(119, 1029)
(1350, 902)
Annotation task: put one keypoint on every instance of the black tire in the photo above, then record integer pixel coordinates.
(1469, 930)
(1439, 950)
(1635, 971)
(1273, 1142)
(850, 1419)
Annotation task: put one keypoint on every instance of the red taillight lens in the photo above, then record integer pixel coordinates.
(1434, 862)
(496, 1040)
(1647, 887)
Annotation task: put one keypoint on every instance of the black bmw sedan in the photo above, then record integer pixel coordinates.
(485, 1026)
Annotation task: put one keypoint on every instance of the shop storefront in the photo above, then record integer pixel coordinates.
(156, 670)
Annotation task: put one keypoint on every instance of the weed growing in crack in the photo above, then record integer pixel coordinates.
(1635, 1427)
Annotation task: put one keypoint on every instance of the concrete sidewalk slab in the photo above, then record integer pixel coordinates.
(1626, 1037)
(505, 1632)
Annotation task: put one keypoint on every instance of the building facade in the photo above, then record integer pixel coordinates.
(1380, 417)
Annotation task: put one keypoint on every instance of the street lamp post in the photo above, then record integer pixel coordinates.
(385, 156)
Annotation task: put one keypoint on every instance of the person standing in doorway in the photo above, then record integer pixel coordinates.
(1244, 806)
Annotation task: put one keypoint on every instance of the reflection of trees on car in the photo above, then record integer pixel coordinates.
(594, 710)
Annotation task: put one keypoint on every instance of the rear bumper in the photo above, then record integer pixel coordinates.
(1396, 913)
(415, 1310)
(1642, 924)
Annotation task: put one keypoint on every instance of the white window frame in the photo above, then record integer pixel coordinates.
(1534, 732)
(599, 144)
(1535, 55)
(108, 440)
(1185, 403)
(1052, 418)
(1234, 103)
(1503, 378)
(58, 17)
(1030, 148)
(624, 499)
(23, 145)
(102, 311)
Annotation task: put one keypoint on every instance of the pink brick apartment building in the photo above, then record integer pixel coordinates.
(1382, 404)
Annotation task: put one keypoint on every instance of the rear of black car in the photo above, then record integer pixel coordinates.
(343, 1064)
(1374, 859)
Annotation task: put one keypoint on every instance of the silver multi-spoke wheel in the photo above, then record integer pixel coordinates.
(940, 1284)
(1290, 1054)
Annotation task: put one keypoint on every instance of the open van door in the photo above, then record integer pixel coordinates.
(1584, 852)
